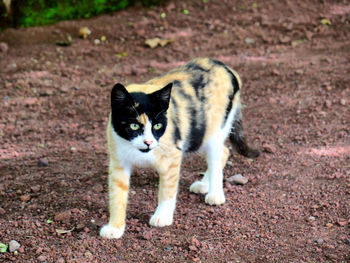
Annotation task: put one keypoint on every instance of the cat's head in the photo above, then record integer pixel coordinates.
(138, 117)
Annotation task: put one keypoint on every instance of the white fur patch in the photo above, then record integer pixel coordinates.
(110, 232)
(129, 155)
(164, 213)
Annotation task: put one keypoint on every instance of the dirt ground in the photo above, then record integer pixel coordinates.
(293, 57)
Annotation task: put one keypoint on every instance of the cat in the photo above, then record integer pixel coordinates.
(192, 108)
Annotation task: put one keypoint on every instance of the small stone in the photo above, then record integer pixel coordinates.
(24, 198)
(319, 241)
(97, 41)
(98, 188)
(312, 218)
(60, 260)
(14, 245)
(73, 149)
(2, 211)
(249, 40)
(269, 148)
(147, 235)
(3, 47)
(237, 179)
(343, 102)
(229, 163)
(328, 104)
(299, 71)
(42, 162)
(63, 216)
(341, 222)
(35, 188)
(329, 225)
(347, 241)
(42, 258)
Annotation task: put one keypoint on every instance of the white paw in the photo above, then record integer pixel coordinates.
(110, 232)
(215, 198)
(161, 220)
(199, 187)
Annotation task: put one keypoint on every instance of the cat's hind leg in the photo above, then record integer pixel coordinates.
(215, 156)
(202, 186)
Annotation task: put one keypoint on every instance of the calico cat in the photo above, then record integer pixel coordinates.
(192, 108)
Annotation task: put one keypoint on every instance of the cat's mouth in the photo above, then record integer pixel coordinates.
(145, 150)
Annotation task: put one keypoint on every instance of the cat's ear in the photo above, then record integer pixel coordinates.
(162, 96)
(119, 95)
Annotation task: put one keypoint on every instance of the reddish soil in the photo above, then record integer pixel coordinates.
(54, 107)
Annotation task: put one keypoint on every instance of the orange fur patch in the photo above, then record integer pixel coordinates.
(143, 119)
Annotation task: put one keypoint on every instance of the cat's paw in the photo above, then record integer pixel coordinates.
(160, 220)
(199, 187)
(215, 198)
(110, 232)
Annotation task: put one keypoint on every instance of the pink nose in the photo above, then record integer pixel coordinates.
(148, 143)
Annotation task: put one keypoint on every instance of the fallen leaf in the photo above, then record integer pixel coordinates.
(325, 21)
(185, 11)
(63, 231)
(84, 32)
(48, 221)
(154, 42)
(65, 43)
(3, 247)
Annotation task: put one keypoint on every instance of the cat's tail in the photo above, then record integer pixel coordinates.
(238, 139)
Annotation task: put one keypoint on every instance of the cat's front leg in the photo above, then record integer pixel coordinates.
(168, 184)
(118, 181)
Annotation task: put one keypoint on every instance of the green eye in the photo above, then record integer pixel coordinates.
(134, 126)
(157, 126)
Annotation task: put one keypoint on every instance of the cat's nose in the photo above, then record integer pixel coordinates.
(148, 143)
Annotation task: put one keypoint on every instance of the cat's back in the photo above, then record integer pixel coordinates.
(204, 93)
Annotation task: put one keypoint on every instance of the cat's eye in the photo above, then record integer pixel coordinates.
(157, 126)
(134, 126)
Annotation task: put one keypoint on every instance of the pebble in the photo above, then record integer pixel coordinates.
(2, 211)
(237, 179)
(312, 218)
(35, 188)
(63, 216)
(269, 148)
(3, 47)
(319, 241)
(42, 258)
(328, 104)
(249, 40)
(14, 245)
(343, 102)
(24, 198)
(42, 162)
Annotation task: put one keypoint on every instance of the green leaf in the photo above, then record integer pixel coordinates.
(122, 54)
(185, 11)
(3, 247)
(48, 221)
(163, 15)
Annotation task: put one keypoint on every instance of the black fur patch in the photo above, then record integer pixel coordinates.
(195, 67)
(175, 121)
(197, 131)
(198, 83)
(234, 80)
(127, 107)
